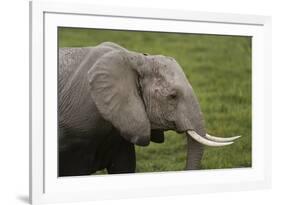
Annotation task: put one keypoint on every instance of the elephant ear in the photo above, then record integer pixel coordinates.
(114, 88)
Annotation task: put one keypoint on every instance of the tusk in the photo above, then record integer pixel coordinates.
(205, 141)
(221, 139)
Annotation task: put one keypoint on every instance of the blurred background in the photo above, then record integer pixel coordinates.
(219, 69)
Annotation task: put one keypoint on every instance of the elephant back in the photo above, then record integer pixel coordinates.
(69, 60)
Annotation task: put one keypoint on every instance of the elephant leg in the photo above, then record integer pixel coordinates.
(75, 155)
(75, 163)
(194, 154)
(123, 159)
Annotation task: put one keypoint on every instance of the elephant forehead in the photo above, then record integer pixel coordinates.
(167, 65)
(172, 72)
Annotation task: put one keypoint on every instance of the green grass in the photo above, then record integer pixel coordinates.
(219, 69)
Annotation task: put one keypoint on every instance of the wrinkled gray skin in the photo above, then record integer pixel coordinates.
(110, 99)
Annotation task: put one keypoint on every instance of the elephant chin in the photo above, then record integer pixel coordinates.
(157, 136)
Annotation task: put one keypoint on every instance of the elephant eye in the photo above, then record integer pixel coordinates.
(172, 96)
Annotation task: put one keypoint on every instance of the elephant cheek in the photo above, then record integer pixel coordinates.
(183, 124)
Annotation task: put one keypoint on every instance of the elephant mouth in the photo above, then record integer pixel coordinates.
(210, 140)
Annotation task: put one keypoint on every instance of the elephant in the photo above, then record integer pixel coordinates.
(111, 99)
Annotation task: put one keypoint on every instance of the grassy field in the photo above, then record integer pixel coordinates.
(219, 69)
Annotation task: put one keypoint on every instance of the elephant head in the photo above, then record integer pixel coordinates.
(144, 95)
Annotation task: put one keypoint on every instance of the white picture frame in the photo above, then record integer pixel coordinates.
(46, 187)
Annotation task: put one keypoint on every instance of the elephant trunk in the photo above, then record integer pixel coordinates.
(194, 154)
(191, 121)
(195, 144)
